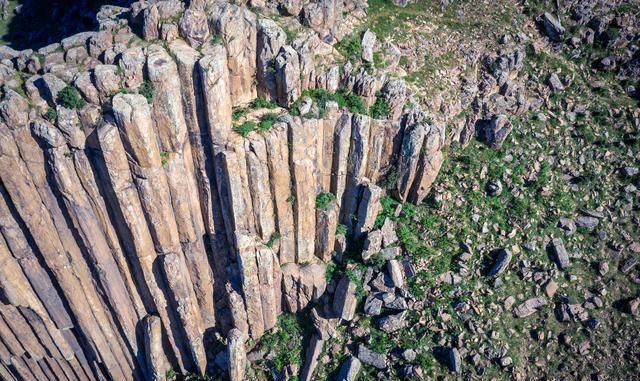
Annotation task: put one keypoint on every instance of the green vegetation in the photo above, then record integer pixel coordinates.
(284, 341)
(275, 237)
(351, 101)
(324, 200)
(51, 115)
(245, 128)
(147, 89)
(164, 156)
(380, 109)
(341, 229)
(69, 97)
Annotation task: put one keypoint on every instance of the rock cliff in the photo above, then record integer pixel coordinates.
(141, 225)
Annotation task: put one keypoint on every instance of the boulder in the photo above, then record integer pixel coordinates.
(367, 356)
(552, 27)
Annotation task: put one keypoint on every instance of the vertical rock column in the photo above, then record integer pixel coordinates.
(214, 75)
(302, 143)
(37, 275)
(80, 210)
(260, 189)
(133, 118)
(172, 131)
(193, 103)
(66, 264)
(140, 241)
(280, 180)
(429, 165)
(270, 39)
(409, 159)
(237, 27)
(356, 167)
(341, 148)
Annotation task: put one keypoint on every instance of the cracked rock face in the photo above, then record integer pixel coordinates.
(139, 225)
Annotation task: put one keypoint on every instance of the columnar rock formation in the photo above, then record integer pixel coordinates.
(134, 226)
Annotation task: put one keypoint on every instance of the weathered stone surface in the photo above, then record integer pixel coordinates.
(327, 223)
(248, 267)
(392, 323)
(303, 146)
(269, 277)
(156, 361)
(260, 189)
(368, 209)
(396, 273)
(341, 148)
(132, 62)
(302, 284)
(529, 307)
(356, 167)
(287, 67)
(372, 244)
(552, 27)
(429, 165)
(367, 356)
(495, 131)
(151, 21)
(561, 255)
(194, 27)
(237, 26)
(278, 158)
(349, 369)
(270, 39)
(368, 43)
(237, 355)
(345, 301)
(129, 205)
(214, 75)
(313, 352)
(409, 158)
(501, 263)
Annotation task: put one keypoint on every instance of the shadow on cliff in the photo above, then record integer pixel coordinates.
(38, 23)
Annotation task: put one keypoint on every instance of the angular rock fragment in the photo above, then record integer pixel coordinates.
(529, 307)
(561, 254)
(367, 356)
(349, 369)
(345, 301)
(501, 263)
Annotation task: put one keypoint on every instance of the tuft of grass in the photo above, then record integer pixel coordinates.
(341, 229)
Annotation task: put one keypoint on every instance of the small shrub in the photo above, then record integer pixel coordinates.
(164, 156)
(341, 229)
(291, 199)
(273, 239)
(330, 271)
(267, 121)
(238, 112)
(147, 89)
(51, 115)
(69, 97)
(262, 103)
(245, 128)
(324, 200)
(380, 109)
(351, 48)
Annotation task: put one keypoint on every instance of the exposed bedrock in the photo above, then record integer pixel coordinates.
(138, 227)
